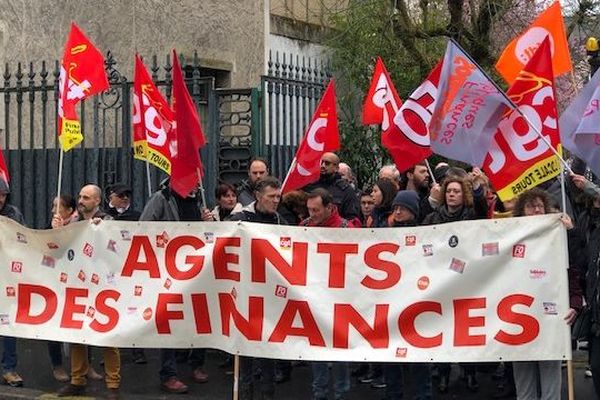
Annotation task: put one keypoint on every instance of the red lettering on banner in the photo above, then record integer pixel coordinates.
(337, 261)
(392, 270)
(252, 327)
(71, 308)
(530, 325)
(196, 261)
(201, 313)
(309, 328)
(263, 251)
(163, 314)
(463, 322)
(345, 315)
(24, 304)
(109, 312)
(406, 324)
(141, 244)
(221, 258)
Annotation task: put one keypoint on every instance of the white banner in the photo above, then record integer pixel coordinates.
(467, 291)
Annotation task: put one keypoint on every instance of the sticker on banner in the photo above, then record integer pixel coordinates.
(168, 283)
(131, 310)
(110, 278)
(21, 238)
(281, 291)
(48, 261)
(401, 352)
(427, 250)
(410, 240)
(125, 235)
(209, 237)
(4, 319)
(81, 275)
(63, 277)
(550, 308)
(137, 291)
(518, 251)
(16, 266)
(95, 279)
(147, 314)
(112, 246)
(88, 250)
(70, 254)
(90, 312)
(457, 265)
(537, 273)
(52, 245)
(423, 282)
(162, 239)
(490, 249)
(285, 242)
(10, 291)
(453, 241)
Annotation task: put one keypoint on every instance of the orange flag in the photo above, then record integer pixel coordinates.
(520, 50)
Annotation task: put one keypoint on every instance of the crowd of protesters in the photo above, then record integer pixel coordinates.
(395, 200)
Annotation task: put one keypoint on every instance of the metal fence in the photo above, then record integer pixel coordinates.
(28, 121)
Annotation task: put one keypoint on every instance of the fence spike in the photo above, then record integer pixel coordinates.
(44, 71)
(277, 64)
(154, 68)
(7, 74)
(283, 67)
(270, 64)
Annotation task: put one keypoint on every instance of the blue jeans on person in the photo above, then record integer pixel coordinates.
(321, 374)
(168, 362)
(9, 354)
(421, 376)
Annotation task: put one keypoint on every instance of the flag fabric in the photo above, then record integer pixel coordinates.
(322, 136)
(82, 75)
(382, 101)
(186, 166)
(519, 159)
(580, 125)
(467, 111)
(3, 169)
(520, 50)
(152, 121)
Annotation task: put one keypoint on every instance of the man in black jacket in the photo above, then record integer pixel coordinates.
(119, 198)
(257, 169)
(344, 196)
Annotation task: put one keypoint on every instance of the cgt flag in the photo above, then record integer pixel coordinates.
(467, 111)
(382, 101)
(82, 75)
(519, 51)
(580, 125)
(152, 121)
(519, 159)
(322, 136)
(186, 167)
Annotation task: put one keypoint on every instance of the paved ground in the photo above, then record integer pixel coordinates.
(140, 382)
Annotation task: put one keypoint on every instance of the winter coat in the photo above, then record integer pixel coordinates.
(251, 214)
(245, 193)
(215, 211)
(344, 196)
(334, 221)
(162, 206)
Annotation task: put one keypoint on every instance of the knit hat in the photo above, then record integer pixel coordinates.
(409, 200)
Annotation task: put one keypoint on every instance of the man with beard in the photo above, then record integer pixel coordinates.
(417, 180)
(257, 170)
(9, 357)
(343, 194)
(88, 208)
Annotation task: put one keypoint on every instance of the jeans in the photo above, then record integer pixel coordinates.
(531, 374)
(341, 371)
(248, 366)
(9, 355)
(168, 362)
(421, 376)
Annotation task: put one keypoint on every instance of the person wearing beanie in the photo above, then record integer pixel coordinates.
(405, 208)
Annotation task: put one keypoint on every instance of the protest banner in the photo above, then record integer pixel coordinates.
(466, 291)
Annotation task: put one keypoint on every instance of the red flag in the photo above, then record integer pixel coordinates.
(186, 168)
(518, 158)
(82, 74)
(152, 121)
(3, 170)
(322, 136)
(382, 101)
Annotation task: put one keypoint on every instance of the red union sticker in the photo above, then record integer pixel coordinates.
(95, 279)
(10, 291)
(410, 240)
(52, 245)
(489, 249)
(168, 283)
(90, 312)
(401, 352)
(285, 242)
(81, 275)
(48, 261)
(281, 291)
(162, 239)
(63, 277)
(137, 291)
(147, 314)
(457, 265)
(16, 266)
(423, 282)
(519, 251)
(88, 250)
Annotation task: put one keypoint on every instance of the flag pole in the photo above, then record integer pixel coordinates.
(60, 168)
(515, 107)
(201, 186)
(148, 176)
(236, 376)
(430, 171)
